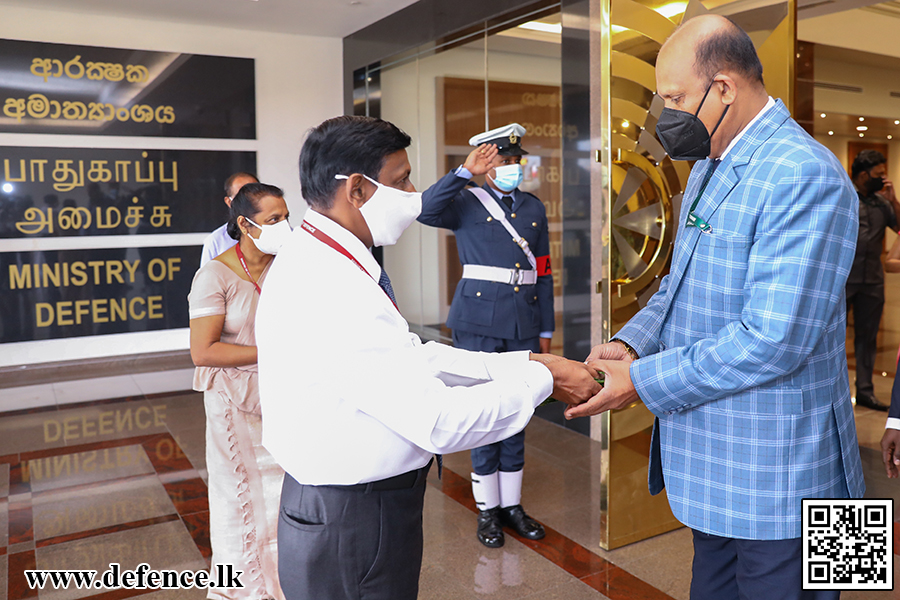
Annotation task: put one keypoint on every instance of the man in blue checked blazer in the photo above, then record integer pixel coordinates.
(740, 354)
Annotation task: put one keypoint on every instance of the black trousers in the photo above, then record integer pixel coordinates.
(731, 569)
(867, 304)
(340, 543)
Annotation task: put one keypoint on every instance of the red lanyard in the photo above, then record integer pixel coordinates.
(237, 248)
(328, 241)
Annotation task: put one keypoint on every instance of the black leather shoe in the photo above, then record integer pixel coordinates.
(490, 531)
(868, 401)
(515, 518)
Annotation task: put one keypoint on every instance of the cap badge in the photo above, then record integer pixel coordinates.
(513, 138)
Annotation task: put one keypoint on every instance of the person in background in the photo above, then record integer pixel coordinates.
(890, 441)
(244, 479)
(504, 302)
(741, 353)
(354, 405)
(878, 210)
(219, 240)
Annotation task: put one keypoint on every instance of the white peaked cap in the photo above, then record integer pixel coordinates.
(513, 130)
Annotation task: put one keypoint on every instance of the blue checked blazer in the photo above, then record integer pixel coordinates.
(742, 348)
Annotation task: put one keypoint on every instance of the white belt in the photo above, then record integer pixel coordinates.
(500, 275)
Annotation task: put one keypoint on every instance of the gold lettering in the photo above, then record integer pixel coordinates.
(79, 277)
(47, 425)
(81, 310)
(98, 172)
(131, 268)
(154, 307)
(89, 427)
(137, 171)
(64, 313)
(99, 311)
(111, 211)
(51, 274)
(106, 423)
(122, 170)
(137, 417)
(73, 64)
(40, 309)
(64, 171)
(114, 269)
(159, 415)
(154, 276)
(73, 217)
(123, 418)
(14, 108)
(96, 264)
(19, 279)
(40, 164)
(70, 429)
(135, 314)
(134, 214)
(38, 106)
(7, 174)
(118, 309)
(161, 217)
(174, 179)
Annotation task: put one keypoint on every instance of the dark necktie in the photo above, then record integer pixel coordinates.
(508, 201)
(385, 282)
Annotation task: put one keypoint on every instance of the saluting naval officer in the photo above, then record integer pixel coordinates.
(504, 302)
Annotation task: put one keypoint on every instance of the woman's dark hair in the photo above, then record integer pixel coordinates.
(246, 204)
(728, 48)
(343, 146)
(866, 160)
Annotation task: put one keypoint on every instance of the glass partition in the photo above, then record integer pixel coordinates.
(441, 96)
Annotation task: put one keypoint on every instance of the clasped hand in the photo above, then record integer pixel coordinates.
(617, 391)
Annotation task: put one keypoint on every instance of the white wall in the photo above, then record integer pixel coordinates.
(409, 99)
(298, 85)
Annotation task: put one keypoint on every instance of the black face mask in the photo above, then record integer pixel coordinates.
(683, 134)
(874, 184)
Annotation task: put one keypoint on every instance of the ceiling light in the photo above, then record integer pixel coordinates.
(671, 9)
(822, 115)
(862, 135)
(896, 122)
(7, 188)
(862, 128)
(544, 27)
(830, 133)
(862, 118)
(890, 137)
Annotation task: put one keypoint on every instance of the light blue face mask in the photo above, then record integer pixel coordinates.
(509, 177)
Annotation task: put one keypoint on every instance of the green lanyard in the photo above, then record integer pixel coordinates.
(695, 220)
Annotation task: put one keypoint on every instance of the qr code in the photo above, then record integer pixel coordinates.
(848, 544)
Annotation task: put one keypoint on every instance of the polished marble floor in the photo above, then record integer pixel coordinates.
(84, 483)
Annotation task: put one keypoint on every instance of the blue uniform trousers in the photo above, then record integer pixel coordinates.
(507, 455)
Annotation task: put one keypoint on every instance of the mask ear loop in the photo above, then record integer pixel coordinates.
(725, 112)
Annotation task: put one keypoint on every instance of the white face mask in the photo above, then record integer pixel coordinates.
(271, 237)
(389, 212)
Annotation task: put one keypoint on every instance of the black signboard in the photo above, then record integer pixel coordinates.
(68, 293)
(88, 90)
(62, 192)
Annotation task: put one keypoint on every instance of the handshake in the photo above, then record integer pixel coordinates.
(579, 384)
